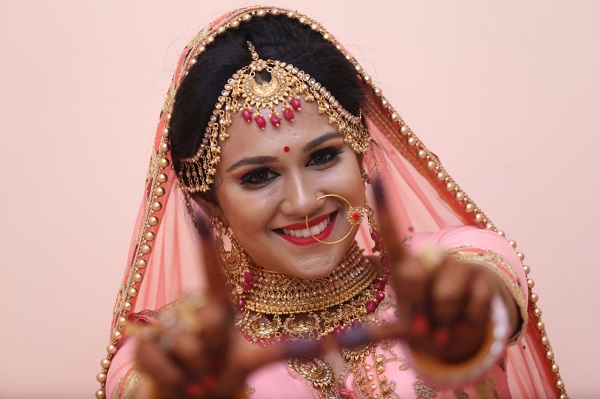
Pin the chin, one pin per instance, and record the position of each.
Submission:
(316, 268)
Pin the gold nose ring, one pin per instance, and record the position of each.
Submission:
(354, 216)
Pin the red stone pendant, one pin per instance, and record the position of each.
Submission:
(275, 120)
(260, 121)
(247, 115)
(296, 104)
(288, 114)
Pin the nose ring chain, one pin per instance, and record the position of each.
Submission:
(354, 216)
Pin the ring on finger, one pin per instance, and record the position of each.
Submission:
(431, 258)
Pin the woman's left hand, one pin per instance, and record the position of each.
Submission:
(444, 304)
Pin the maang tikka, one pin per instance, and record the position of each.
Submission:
(243, 93)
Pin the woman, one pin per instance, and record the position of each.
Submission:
(274, 134)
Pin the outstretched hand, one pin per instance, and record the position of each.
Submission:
(444, 304)
(195, 351)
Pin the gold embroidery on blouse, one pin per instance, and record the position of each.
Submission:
(460, 393)
(317, 373)
(127, 385)
(388, 345)
(424, 390)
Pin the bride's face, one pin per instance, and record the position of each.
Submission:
(269, 180)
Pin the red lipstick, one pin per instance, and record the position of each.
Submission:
(302, 241)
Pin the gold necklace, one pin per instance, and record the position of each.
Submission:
(285, 307)
(277, 293)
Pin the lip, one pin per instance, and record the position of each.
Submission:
(311, 223)
(302, 241)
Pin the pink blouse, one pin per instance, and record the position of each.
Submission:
(280, 379)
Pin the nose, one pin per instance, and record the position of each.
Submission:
(300, 197)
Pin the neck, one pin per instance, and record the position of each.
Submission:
(276, 293)
(278, 306)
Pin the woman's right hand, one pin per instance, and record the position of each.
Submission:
(195, 352)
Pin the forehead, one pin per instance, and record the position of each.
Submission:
(247, 139)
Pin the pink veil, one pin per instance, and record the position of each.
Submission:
(164, 259)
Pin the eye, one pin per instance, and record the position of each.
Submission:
(323, 156)
(258, 177)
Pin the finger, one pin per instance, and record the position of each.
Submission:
(389, 233)
(483, 289)
(468, 335)
(450, 290)
(216, 316)
(188, 350)
(155, 362)
(216, 283)
(412, 281)
(217, 329)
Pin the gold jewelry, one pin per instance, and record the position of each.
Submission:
(272, 308)
(277, 293)
(244, 94)
(354, 216)
(235, 261)
(368, 378)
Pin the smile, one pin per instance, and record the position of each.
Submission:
(313, 230)
(298, 234)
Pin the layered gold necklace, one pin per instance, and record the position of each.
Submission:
(274, 307)
(281, 306)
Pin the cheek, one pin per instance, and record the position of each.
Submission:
(348, 179)
(244, 210)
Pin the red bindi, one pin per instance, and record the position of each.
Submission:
(286, 149)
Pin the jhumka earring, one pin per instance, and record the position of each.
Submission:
(354, 216)
(235, 262)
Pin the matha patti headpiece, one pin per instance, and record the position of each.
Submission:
(243, 93)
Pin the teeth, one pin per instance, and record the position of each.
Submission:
(305, 233)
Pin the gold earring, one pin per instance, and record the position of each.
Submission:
(365, 176)
(235, 262)
(354, 216)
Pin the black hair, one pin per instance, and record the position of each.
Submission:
(274, 37)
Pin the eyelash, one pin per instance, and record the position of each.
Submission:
(330, 152)
(263, 176)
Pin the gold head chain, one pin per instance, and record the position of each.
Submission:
(244, 94)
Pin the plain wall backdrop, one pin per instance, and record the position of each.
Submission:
(505, 92)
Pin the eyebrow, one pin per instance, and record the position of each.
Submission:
(252, 161)
(258, 160)
(320, 140)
